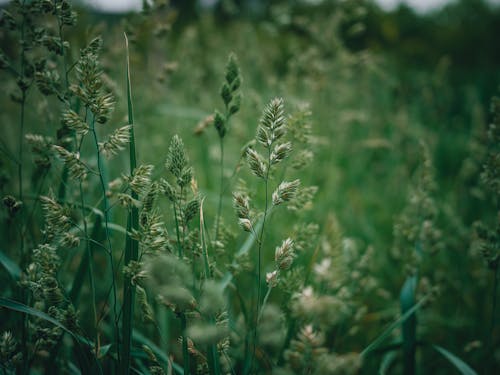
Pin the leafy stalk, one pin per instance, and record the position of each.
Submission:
(132, 245)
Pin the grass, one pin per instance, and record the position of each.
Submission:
(272, 236)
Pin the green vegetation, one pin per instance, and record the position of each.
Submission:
(302, 188)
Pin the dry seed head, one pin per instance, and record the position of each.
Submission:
(168, 189)
(127, 201)
(256, 164)
(203, 333)
(284, 255)
(263, 136)
(147, 313)
(73, 121)
(272, 278)
(69, 240)
(7, 346)
(273, 121)
(57, 217)
(116, 141)
(76, 168)
(245, 224)
(241, 203)
(281, 152)
(140, 179)
(203, 124)
(46, 259)
(285, 192)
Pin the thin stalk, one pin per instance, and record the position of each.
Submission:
(185, 351)
(23, 318)
(182, 316)
(221, 189)
(266, 297)
(90, 265)
(493, 311)
(177, 231)
(259, 257)
(106, 223)
(213, 360)
(261, 235)
(132, 245)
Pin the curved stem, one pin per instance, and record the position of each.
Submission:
(266, 297)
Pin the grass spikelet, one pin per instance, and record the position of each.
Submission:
(116, 142)
(140, 179)
(285, 192)
(284, 255)
(256, 163)
(76, 168)
(177, 160)
(73, 121)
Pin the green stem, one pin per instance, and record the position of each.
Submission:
(221, 188)
(132, 245)
(266, 297)
(106, 226)
(185, 351)
(177, 231)
(493, 311)
(24, 320)
(259, 258)
(90, 265)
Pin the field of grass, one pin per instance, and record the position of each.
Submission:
(282, 191)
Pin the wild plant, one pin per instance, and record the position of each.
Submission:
(134, 265)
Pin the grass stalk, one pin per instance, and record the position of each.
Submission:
(213, 357)
(132, 245)
(259, 259)
(221, 187)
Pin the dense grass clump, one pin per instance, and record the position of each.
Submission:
(227, 196)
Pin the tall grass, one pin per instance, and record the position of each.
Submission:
(344, 249)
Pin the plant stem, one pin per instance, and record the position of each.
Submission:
(219, 210)
(185, 351)
(266, 297)
(132, 245)
(259, 257)
(90, 265)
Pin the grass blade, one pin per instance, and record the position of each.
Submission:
(460, 365)
(379, 340)
(131, 246)
(158, 352)
(10, 266)
(83, 355)
(409, 327)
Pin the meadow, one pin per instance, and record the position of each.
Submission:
(302, 188)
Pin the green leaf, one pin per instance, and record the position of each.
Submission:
(409, 327)
(86, 367)
(11, 267)
(386, 363)
(157, 351)
(131, 244)
(379, 340)
(461, 366)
